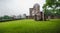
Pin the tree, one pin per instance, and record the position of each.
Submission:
(54, 5)
(6, 17)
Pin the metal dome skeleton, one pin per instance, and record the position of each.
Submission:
(36, 9)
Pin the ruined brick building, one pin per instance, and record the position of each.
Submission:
(35, 12)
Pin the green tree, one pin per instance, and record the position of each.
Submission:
(6, 17)
(53, 4)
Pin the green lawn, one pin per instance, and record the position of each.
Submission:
(30, 26)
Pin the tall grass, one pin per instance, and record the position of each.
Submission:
(30, 26)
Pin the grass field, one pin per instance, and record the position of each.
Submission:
(30, 26)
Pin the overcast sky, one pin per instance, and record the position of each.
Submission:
(16, 7)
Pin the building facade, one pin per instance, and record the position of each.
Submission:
(35, 12)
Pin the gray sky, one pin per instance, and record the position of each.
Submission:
(16, 7)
